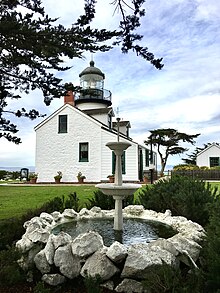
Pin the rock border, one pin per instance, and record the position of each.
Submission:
(86, 255)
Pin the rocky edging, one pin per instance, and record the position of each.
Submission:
(86, 255)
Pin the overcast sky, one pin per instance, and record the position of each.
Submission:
(184, 95)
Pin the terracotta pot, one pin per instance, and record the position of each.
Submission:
(33, 180)
(81, 180)
(111, 179)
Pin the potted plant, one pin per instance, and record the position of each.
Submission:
(58, 177)
(81, 177)
(33, 177)
(145, 178)
(111, 178)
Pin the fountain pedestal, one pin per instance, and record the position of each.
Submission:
(118, 219)
(118, 190)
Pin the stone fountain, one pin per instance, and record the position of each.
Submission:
(118, 189)
(86, 255)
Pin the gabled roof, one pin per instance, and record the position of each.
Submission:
(209, 147)
(82, 112)
(122, 123)
(73, 108)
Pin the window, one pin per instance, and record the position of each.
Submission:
(84, 152)
(147, 157)
(214, 161)
(122, 162)
(110, 121)
(127, 131)
(62, 127)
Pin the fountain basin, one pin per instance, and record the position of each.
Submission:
(134, 260)
(123, 190)
(118, 145)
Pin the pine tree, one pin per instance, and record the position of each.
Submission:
(32, 45)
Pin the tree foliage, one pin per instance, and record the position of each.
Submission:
(33, 48)
(167, 142)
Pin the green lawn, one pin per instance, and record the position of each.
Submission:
(16, 200)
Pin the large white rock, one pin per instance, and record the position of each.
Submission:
(47, 217)
(41, 262)
(134, 210)
(164, 244)
(142, 258)
(130, 286)
(99, 265)
(69, 264)
(50, 249)
(86, 244)
(117, 252)
(61, 239)
(70, 214)
(185, 246)
(53, 279)
(24, 244)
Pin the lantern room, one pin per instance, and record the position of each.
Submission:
(92, 87)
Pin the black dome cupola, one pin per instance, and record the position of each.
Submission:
(92, 87)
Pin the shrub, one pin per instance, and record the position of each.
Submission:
(185, 167)
(211, 251)
(72, 202)
(184, 196)
(101, 200)
(106, 202)
(165, 279)
(10, 272)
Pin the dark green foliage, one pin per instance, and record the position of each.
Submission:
(33, 39)
(10, 231)
(41, 288)
(166, 279)
(211, 252)
(106, 202)
(3, 174)
(101, 200)
(10, 272)
(72, 202)
(182, 195)
(92, 284)
(167, 141)
(55, 204)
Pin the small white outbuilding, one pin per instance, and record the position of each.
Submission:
(209, 157)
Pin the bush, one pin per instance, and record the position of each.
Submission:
(10, 272)
(165, 279)
(106, 202)
(211, 251)
(182, 195)
(72, 202)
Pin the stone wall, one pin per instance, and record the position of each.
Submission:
(86, 255)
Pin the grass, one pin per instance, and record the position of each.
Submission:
(17, 200)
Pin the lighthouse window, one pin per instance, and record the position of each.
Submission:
(62, 124)
(83, 151)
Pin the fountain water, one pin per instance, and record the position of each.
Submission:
(118, 190)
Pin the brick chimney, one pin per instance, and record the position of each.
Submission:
(69, 98)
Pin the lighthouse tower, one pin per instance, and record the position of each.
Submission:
(92, 95)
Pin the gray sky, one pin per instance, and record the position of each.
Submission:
(184, 95)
